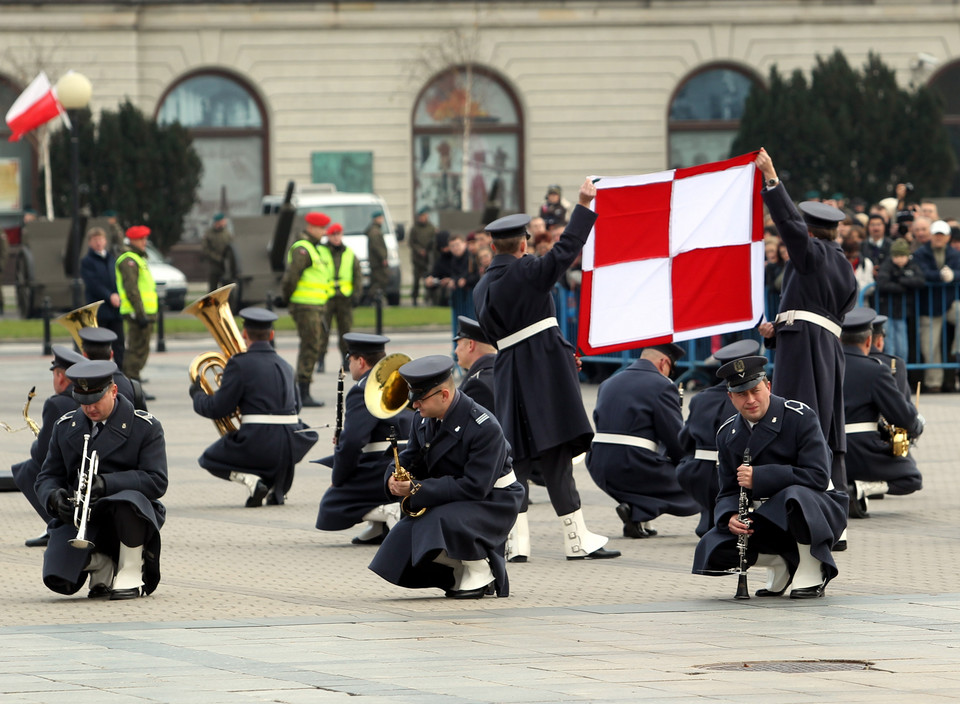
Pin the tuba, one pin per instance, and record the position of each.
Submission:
(214, 311)
(386, 392)
(385, 395)
(83, 317)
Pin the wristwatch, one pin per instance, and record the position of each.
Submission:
(771, 182)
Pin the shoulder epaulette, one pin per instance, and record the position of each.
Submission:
(796, 406)
(66, 416)
(144, 415)
(726, 423)
(480, 416)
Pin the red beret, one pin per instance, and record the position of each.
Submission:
(317, 219)
(138, 232)
(335, 229)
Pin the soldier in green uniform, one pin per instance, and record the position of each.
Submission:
(343, 272)
(423, 237)
(138, 301)
(216, 241)
(305, 289)
(377, 254)
(115, 233)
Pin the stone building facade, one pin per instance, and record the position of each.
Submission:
(373, 94)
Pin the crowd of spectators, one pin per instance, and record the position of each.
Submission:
(906, 258)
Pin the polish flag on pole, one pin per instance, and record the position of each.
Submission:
(36, 106)
(673, 256)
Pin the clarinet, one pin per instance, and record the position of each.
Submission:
(336, 433)
(743, 515)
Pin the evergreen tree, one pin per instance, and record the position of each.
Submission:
(146, 172)
(856, 132)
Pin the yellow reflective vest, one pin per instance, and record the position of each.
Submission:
(313, 287)
(145, 284)
(344, 277)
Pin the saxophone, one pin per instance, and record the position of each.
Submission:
(30, 423)
(897, 437)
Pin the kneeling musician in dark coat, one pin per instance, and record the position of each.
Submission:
(461, 497)
(709, 409)
(361, 455)
(872, 400)
(774, 452)
(106, 516)
(262, 453)
(635, 451)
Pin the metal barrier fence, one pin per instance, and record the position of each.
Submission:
(922, 328)
(906, 314)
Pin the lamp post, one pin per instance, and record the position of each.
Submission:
(73, 92)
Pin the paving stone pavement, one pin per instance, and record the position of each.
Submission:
(255, 605)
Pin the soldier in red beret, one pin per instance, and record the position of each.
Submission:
(305, 289)
(138, 301)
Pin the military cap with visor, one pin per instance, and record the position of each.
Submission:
(362, 343)
(743, 373)
(859, 320)
(257, 318)
(469, 329)
(65, 357)
(509, 226)
(91, 380)
(817, 214)
(425, 373)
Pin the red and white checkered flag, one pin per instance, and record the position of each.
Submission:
(673, 256)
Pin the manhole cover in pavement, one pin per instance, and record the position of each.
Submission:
(791, 665)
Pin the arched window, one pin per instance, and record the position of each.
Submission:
(228, 124)
(947, 82)
(18, 167)
(467, 105)
(705, 115)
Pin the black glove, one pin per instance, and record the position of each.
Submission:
(61, 506)
(279, 302)
(195, 388)
(142, 322)
(97, 489)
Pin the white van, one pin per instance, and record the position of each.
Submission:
(354, 211)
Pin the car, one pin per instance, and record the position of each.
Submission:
(353, 211)
(171, 282)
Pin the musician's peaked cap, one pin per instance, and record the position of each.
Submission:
(361, 343)
(859, 320)
(257, 318)
(880, 325)
(64, 357)
(735, 350)
(468, 328)
(817, 214)
(743, 373)
(508, 226)
(671, 349)
(97, 336)
(425, 373)
(91, 379)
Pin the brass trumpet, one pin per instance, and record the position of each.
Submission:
(30, 423)
(214, 311)
(83, 317)
(89, 466)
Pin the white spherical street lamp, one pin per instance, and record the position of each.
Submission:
(74, 91)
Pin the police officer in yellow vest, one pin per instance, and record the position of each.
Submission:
(138, 300)
(344, 270)
(306, 288)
